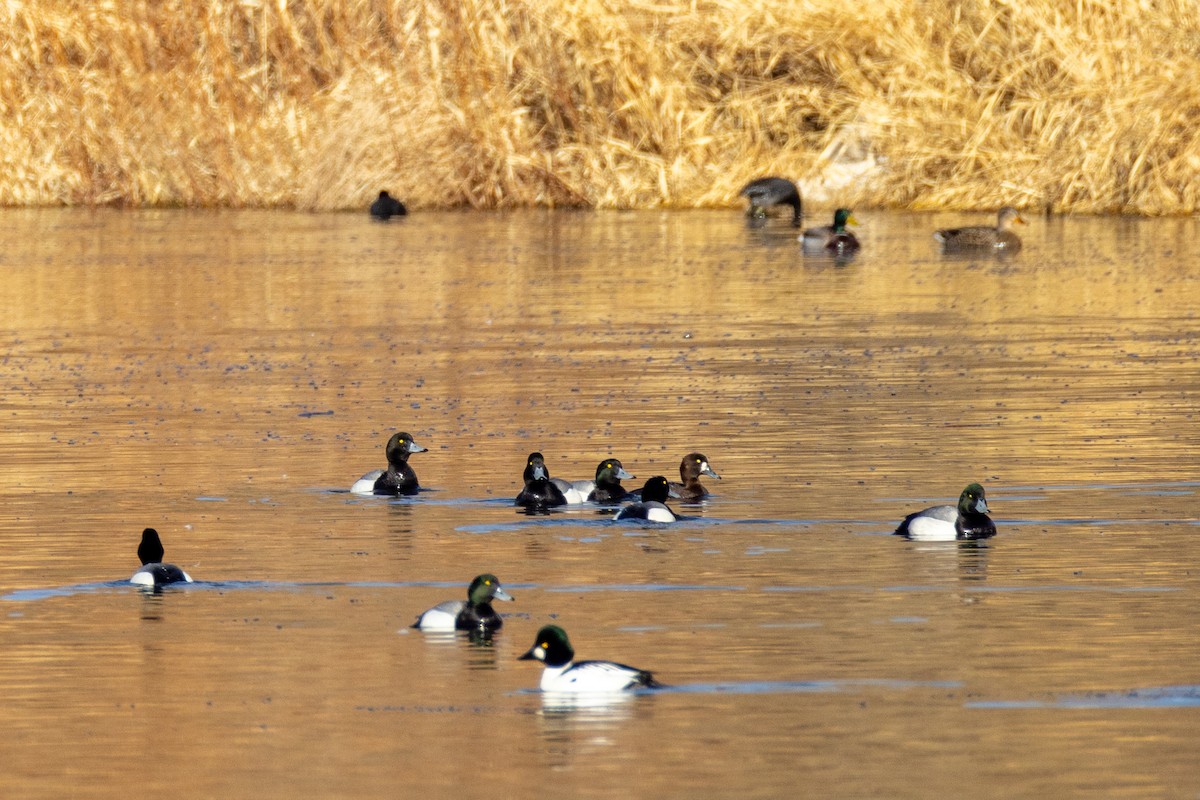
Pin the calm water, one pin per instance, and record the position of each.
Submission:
(225, 377)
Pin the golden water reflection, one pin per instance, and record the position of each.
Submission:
(225, 376)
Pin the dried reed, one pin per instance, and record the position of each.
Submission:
(1089, 106)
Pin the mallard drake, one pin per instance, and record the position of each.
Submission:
(834, 239)
(982, 236)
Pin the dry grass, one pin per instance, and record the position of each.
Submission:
(1090, 105)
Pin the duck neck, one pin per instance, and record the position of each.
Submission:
(797, 211)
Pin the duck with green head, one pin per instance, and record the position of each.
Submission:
(832, 239)
(564, 674)
(967, 520)
(474, 614)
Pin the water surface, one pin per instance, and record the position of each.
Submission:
(225, 376)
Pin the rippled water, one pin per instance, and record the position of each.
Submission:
(225, 376)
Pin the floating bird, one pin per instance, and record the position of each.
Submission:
(399, 478)
(473, 614)
(539, 493)
(832, 239)
(153, 571)
(968, 520)
(691, 468)
(608, 488)
(562, 674)
(653, 505)
(385, 207)
(982, 237)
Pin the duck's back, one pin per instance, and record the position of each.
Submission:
(159, 575)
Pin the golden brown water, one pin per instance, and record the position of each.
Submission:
(225, 376)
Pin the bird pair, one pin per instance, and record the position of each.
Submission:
(552, 647)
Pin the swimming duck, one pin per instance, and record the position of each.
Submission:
(399, 478)
(153, 571)
(608, 488)
(385, 207)
(765, 192)
(832, 239)
(968, 520)
(690, 469)
(653, 505)
(982, 236)
(562, 674)
(473, 614)
(540, 492)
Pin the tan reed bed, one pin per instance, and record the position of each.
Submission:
(1064, 105)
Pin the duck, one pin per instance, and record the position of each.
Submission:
(563, 674)
(399, 478)
(967, 520)
(983, 236)
(832, 239)
(153, 571)
(690, 469)
(653, 505)
(766, 192)
(608, 488)
(473, 614)
(540, 492)
(385, 207)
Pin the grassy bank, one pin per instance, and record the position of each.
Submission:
(1087, 106)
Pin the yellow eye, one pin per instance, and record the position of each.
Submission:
(487, 583)
(543, 645)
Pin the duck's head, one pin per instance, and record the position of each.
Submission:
(972, 501)
(400, 447)
(694, 465)
(486, 588)
(1007, 217)
(150, 551)
(610, 471)
(551, 647)
(535, 468)
(656, 490)
(843, 217)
